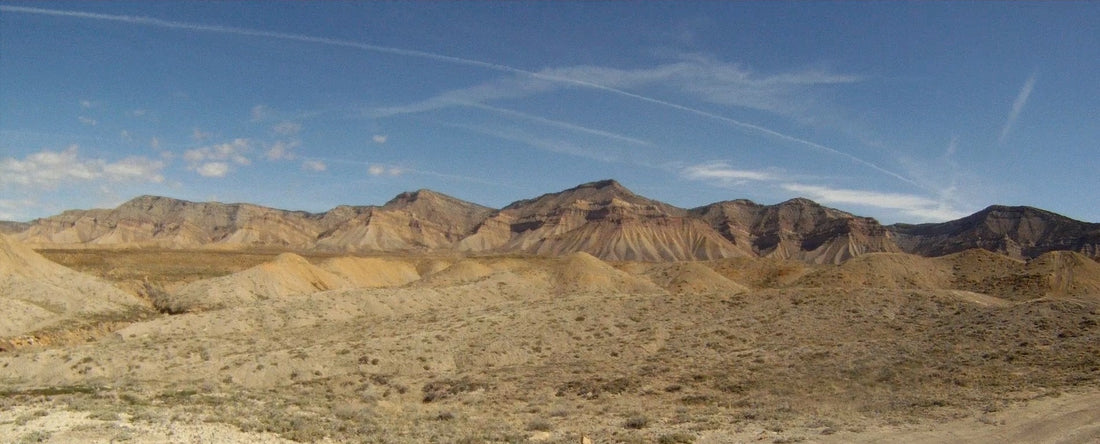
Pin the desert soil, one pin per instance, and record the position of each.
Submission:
(530, 349)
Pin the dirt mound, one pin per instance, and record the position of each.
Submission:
(684, 278)
(1067, 273)
(37, 294)
(466, 270)
(288, 275)
(986, 272)
(582, 272)
(882, 270)
(372, 272)
(762, 272)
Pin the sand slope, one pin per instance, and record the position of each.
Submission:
(37, 294)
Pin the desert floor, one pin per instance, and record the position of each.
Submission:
(515, 349)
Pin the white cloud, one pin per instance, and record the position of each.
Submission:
(139, 112)
(314, 165)
(125, 136)
(214, 160)
(48, 169)
(154, 143)
(85, 104)
(723, 173)
(1017, 107)
(135, 168)
(287, 128)
(87, 120)
(379, 138)
(913, 206)
(234, 151)
(381, 170)
(213, 169)
(282, 150)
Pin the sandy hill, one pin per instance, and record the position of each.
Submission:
(288, 276)
(604, 219)
(686, 278)
(368, 272)
(882, 270)
(1054, 274)
(583, 273)
(1067, 273)
(36, 294)
(1019, 232)
(796, 229)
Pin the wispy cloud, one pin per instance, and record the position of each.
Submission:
(200, 135)
(314, 165)
(282, 150)
(549, 145)
(379, 139)
(48, 169)
(586, 77)
(1017, 107)
(287, 128)
(385, 170)
(14, 209)
(87, 120)
(721, 172)
(913, 206)
(259, 113)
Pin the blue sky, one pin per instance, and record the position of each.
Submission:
(903, 111)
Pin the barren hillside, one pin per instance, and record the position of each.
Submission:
(603, 218)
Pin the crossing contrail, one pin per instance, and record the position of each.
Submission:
(169, 24)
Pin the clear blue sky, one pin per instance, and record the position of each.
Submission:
(904, 111)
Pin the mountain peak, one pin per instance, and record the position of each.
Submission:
(601, 184)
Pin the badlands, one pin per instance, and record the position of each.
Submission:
(589, 313)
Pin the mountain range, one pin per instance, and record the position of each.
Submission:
(601, 218)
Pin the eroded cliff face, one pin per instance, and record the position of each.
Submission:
(1019, 232)
(796, 229)
(604, 219)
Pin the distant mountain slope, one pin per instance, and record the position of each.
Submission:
(411, 221)
(796, 229)
(604, 219)
(9, 227)
(1019, 232)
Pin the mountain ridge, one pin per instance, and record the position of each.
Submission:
(602, 218)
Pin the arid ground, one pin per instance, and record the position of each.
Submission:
(266, 347)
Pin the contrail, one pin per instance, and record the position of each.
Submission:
(149, 21)
(557, 123)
